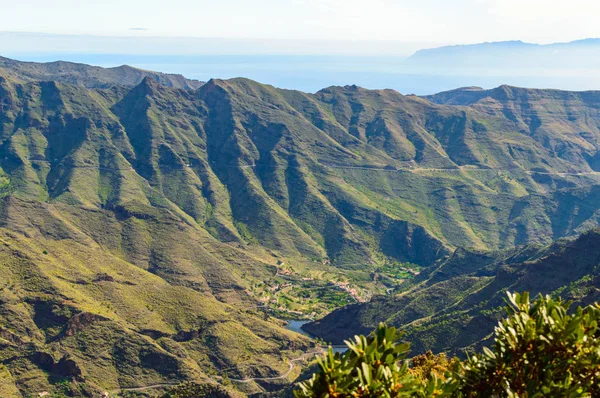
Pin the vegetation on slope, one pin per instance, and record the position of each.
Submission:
(106, 319)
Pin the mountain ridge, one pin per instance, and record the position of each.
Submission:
(470, 95)
(382, 140)
(89, 76)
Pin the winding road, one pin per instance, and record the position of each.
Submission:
(151, 387)
(355, 167)
(306, 355)
(302, 357)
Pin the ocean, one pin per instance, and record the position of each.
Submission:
(310, 73)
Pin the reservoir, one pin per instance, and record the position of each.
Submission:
(296, 326)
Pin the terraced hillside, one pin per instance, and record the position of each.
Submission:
(456, 304)
(168, 220)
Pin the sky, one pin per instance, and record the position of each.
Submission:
(307, 44)
(304, 23)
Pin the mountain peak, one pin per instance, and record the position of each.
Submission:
(148, 87)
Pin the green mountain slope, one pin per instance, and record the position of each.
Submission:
(456, 305)
(128, 300)
(170, 218)
(309, 175)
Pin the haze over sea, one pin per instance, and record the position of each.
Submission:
(311, 73)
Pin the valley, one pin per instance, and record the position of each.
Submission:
(454, 306)
(156, 230)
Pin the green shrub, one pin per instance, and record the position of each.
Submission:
(195, 390)
(370, 368)
(422, 366)
(540, 350)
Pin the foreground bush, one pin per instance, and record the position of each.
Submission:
(370, 368)
(540, 350)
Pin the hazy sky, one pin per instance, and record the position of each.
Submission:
(433, 21)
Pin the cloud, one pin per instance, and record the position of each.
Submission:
(138, 29)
